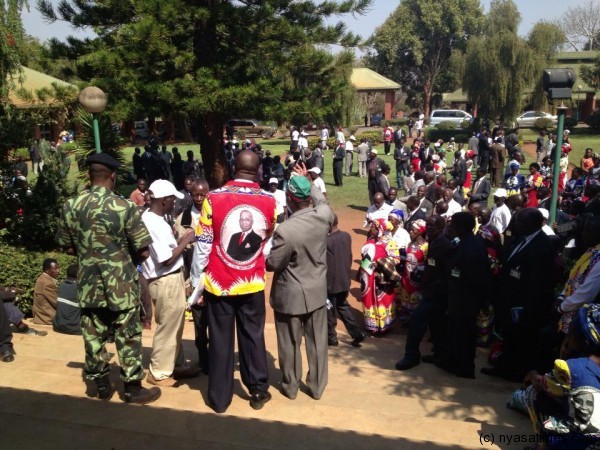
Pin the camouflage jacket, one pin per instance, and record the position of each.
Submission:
(104, 229)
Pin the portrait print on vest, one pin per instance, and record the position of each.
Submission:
(245, 244)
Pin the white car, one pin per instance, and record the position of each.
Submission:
(527, 119)
(457, 116)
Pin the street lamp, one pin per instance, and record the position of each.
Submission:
(93, 100)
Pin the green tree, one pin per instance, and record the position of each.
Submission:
(213, 60)
(499, 65)
(415, 44)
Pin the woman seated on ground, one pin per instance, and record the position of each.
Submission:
(379, 277)
(562, 403)
(574, 187)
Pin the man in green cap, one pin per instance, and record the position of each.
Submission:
(107, 234)
(299, 289)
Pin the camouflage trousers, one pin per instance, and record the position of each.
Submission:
(98, 324)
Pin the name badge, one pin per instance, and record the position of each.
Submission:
(515, 274)
(508, 233)
(455, 273)
(431, 262)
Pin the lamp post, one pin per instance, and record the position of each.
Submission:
(93, 100)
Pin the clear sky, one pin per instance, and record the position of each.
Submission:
(531, 12)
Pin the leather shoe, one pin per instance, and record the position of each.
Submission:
(165, 382)
(186, 372)
(333, 343)
(429, 359)
(357, 341)
(289, 394)
(406, 364)
(7, 355)
(259, 398)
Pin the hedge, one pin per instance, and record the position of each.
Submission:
(570, 122)
(21, 268)
(594, 120)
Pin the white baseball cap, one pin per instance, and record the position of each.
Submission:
(164, 188)
(315, 170)
(352, 138)
(273, 181)
(500, 193)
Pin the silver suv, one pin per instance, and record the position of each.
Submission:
(457, 116)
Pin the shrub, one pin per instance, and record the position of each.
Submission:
(433, 134)
(375, 137)
(397, 122)
(594, 120)
(21, 267)
(570, 122)
(543, 123)
(446, 125)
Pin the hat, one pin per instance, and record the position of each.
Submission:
(435, 158)
(470, 153)
(451, 139)
(545, 213)
(437, 145)
(105, 159)
(514, 165)
(299, 188)
(567, 132)
(500, 193)
(315, 170)
(374, 151)
(398, 214)
(273, 181)
(164, 188)
(352, 138)
(420, 225)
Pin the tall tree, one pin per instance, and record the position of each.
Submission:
(499, 64)
(11, 39)
(581, 25)
(214, 59)
(414, 45)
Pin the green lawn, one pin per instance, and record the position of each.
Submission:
(354, 193)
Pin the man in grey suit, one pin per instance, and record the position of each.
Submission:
(481, 189)
(299, 259)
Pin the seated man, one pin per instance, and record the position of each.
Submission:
(14, 315)
(45, 293)
(68, 313)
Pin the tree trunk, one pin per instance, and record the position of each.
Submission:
(210, 133)
(427, 92)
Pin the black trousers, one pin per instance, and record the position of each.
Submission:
(5, 331)
(200, 315)
(340, 304)
(337, 173)
(461, 340)
(246, 314)
(430, 312)
(387, 145)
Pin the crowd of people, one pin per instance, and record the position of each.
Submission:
(439, 255)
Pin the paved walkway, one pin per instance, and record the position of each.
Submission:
(367, 403)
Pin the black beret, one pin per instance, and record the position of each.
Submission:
(104, 159)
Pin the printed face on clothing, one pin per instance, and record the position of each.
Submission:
(246, 221)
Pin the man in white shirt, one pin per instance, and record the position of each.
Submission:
(324, 136)
(302, 143)
(453, 205)
(280, 201)
(500, 217)
(349, 147)
(378, 210)
(315, 176)
(163, 270)
(339, 136)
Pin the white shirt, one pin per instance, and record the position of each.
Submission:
(401, 237)
(339, 136)
(295, 135)
(324, 134)
(318, 182)
(500, 218)
(161, 249)
(373, 213)
(453, 208)
(280, 201)
(549, 231)
(303, 142)
(349, 146)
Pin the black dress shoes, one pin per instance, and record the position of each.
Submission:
(7, 355)
(259, 398)
(333, 343)
(406, 364)
(357, 341)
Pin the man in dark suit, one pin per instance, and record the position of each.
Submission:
(481, 189)
(526, 300)
(244, 245)
(414, 212)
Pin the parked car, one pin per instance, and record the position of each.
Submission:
(251, 128)
(527, 119)
(456, 116)
(141, 129)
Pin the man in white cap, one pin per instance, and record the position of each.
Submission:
(164, 272)
(349, 155)
(315, 176)
(500, 214)
(280, 201)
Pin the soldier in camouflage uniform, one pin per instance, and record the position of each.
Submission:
(107, 232)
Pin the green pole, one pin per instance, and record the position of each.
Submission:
(96, 132)
(557, 152)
